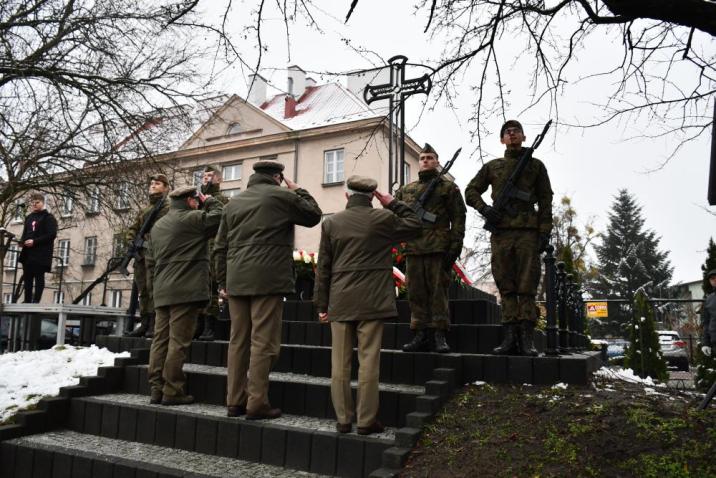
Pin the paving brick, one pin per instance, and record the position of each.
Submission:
(285, 356)
(416, 419)
(407, 437)
(102, 469)
(403, 311)
(313, 333)
(301, 360)
(206, 436)
(146, 420)
(131, 379)
(403, 368)
(519, 370)
(143, 381)
(127, 429)
(573, 369)
(495, 368)
(386, 367)
(61, 466)
(166, 429)
(7, 457)
(227, 438)
(406, 404)
(467, 338)
(196, 385)
(462, 311)
(250, 442)
(95, 385)
(294, 396)
(197, 352)
(489, 337)
(388, 410)
(298, 450)
(320, 363)
(350, 456)
(146, 474)
(76, 420)
(427, 404)
(111, 342)
(296, 332)
(373, 454)
(215, 389)
(123, 471)
(385, 473)
(74, 391)
(213, 354)
(394, 457)
(388, 341)
(316, 401)
(110, 420)
(448, 375)
(273, 445)
(472, 368)
(423, 365)
(24, 458)
(284, 332)
(439, 388)
(323, 453)
(289, 310)
(93, 418)
(32, 421)
(224, 354)
(185, 437)
(81, 467)
(305, 312)
(403, 335)
(42, 464)
(546, 370)
(113, 377)
(275, 394)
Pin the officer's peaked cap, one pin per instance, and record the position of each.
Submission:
(268, 167)
(361, 184)
(183, 192)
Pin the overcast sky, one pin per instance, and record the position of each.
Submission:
(590, 165)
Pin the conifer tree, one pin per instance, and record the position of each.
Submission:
(644, 355)
(706, 366)
(708, 265)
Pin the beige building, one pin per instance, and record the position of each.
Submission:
(321, 133)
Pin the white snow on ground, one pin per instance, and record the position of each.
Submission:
(26, 377)
(627, 375)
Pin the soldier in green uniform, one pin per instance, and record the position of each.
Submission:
(158, 187)
(430, 256)
(211, 185)
(178, 265)
(520, 237)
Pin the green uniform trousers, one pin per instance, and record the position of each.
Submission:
(173, 329)
(254, 345)
(144, 287)
(428, 280)
(516, 269)
(370, 335)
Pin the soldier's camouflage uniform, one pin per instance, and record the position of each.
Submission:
(212, 308)
(430, 256)
(141, 278)
(515, 255)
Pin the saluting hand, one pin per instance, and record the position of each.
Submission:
(290, 184)
(384, 199)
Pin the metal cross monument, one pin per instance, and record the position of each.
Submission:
(396, 91)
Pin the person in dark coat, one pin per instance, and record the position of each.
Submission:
(708, 317)
(37, 241)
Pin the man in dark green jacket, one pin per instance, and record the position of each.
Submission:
(519, 238)
(253, 256)
(430, 256)
(158, 187)
(178, 265)
(355, 292)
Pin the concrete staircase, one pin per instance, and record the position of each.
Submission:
(105, 427)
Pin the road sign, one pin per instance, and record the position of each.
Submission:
(597, 310)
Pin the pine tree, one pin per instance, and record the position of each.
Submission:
(629, 257)
(644, 355)
(706, 366)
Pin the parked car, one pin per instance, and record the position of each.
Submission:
(673, 349)
(616, 348)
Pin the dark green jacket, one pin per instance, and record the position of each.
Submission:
(142, 216)
(354, 277)
(534, 181)
(177, 254)
(253, 251)
(446, 202)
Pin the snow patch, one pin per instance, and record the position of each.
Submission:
(28, 376)
(561, 385)
(627, 375)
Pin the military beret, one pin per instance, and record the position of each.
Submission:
(268, 167)
(361, 184)
(212, 168)
(508, 124)
(183, 192)
(159, 177)
(711, 273)
(427, 149)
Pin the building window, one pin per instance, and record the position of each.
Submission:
(67, 205)
(11, 257)
(406, 173)
(19, 212)
(232, 173)
(63, 252)
(118, 248)
(87, 300)
(117, 298)
(7, 298)
(197, 177)
(230, 193)
(333, 166)
(93, 200)
(90, 251)
(122, 200)
(58, 297)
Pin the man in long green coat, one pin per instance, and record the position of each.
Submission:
(253, 256)
(158, 188)
(178, 263)
(429, 257)
(519, 239)
(355, 292)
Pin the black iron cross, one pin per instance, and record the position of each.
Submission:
(396, 91)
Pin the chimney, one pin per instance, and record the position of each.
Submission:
(296, 81)
(310, 83)
(257, 94)
(289, 108)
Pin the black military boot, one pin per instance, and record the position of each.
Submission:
(420, 342)
(142, 329)
(439, 343)
(200, 322)
(208, 334)
(510, 342)
(150, 327)
(527, 337)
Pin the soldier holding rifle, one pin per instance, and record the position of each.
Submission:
(431, 255)
(519, 232)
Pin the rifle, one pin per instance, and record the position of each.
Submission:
(510, 191)
(112, 264)
(138, 242)
(419, 205)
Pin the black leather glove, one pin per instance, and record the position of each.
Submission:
(544, 238)
(491, 214)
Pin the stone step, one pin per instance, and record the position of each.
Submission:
(295, 394)
(65, 453)
(205, 428)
